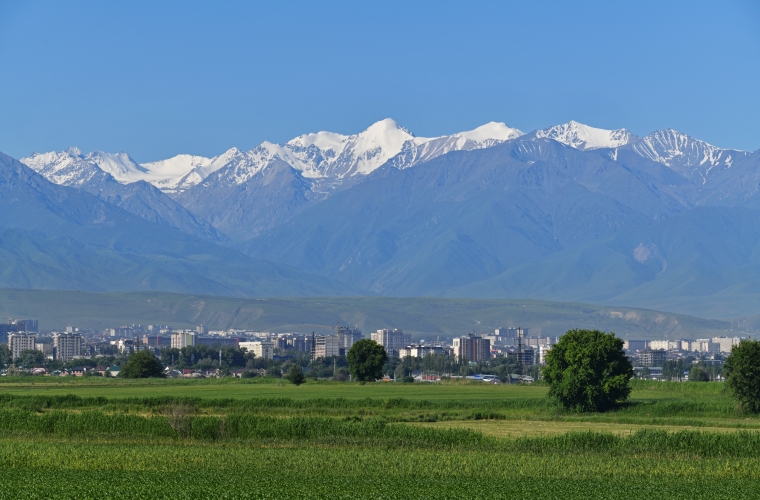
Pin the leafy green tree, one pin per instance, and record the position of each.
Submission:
(742, 367)
(295, 375)
(5, 355)
(29, 358)
(587, 370)
(366, 359)
(142, 364)
(698, 374)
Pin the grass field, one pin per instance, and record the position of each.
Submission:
(89, 438)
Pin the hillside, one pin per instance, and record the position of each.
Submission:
(423, 317)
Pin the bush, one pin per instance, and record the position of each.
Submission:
(295, 375)
(588, 371)
(742, 368)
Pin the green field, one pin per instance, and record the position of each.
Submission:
(90, 438)
(424, 317)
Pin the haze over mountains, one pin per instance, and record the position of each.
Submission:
(570, 212)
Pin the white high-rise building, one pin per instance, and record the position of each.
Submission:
(726, 343)
(327, 346)
(471, 348)
(183, 339)
(348, 336)
(263, 349)
(391, 340)
(67, 346)
(18, 342)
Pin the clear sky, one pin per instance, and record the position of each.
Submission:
(157, 79)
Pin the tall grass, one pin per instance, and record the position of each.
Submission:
(372, 431)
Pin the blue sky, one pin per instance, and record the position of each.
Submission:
(160, 78)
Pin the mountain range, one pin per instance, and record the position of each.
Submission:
(570, 212)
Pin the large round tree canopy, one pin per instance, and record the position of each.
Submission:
(587, 370)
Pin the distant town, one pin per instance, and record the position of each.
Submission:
(506, 355)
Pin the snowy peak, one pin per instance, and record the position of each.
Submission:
(490, 132)
(582, 137)
(692, 158)
(67, 168)
(120, 165)
(183, 171)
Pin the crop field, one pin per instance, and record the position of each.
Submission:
(220, 439)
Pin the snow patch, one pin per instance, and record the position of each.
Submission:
(580, 136)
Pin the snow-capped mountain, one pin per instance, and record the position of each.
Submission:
(580, 136)
(270, 184)
(72, 168)
(115, 178)
(694, 159)
(333, 158)
(327, 156)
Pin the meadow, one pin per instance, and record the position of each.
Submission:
(90, 438)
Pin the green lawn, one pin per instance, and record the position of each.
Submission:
(210, 388)
(264, 439)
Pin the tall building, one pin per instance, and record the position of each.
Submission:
(651, 357)
(348, 336)
(18, 342)
(726, 343)
(201, 330)
(25, 325)
(472, 348)
(5, 330)
(327, 346)
(66, 346)
(263, 349)
(391, 340)
(183, 339)
(420, 351)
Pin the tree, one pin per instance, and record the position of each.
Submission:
(588, 371)
(142, 364)
(295, 375)
(5, 355)
(29, 358)
(742, 367)
(366, 359)
(698, 374)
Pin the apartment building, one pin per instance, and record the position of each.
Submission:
(67, 346)
(391, 340)
(18, 342)
(472, 348)
(262, 349)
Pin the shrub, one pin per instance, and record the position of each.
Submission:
(295, 375)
